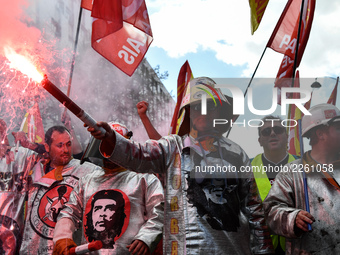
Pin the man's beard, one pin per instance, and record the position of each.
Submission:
(62, 161)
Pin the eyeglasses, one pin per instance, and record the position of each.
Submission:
(277, 130)
(210, 106)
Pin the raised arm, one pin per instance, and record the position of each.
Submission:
(142, 108)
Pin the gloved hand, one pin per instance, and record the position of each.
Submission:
(63, 246)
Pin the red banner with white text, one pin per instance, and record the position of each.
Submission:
(121, 31)
(284, 37)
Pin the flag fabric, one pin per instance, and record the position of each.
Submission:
(257, 9)
(86, 4)
(295, 114)
(32, 125)
(332, 98)
(308, 103)
(184, 76)
(121, 32)
(109, 12)
(284, 37)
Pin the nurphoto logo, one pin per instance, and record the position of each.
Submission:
(239, 103)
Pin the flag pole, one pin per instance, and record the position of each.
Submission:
(296, 56)
(305, 186)
(270, 40)
(251, 79)
(297, 42)
(73, 58)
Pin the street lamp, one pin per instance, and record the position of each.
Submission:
(316, 84)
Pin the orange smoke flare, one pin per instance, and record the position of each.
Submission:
(25, 66)
(22, 64)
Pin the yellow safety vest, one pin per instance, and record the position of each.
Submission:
(263, 185)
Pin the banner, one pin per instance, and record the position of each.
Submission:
(284, 37)
(184, 76)
(121, 31)
(332, 98)
(257, 9)
(295, 114)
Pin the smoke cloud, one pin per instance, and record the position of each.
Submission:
(46, 35)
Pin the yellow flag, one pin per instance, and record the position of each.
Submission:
(257, 8)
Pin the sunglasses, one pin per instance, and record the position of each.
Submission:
(277, 130)
(210, 106)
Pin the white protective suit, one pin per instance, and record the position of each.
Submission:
(46, 197)
(287, 197)
(14, 172)
(203, 215)
(137, 202)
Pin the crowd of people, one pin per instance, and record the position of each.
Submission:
(162, 197)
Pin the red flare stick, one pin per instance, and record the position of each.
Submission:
(81, 249)
(69, 104)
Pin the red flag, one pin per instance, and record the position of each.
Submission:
(284, 37)
(32, 125)
(296, 114)
(121, 32)
(307, 104)
(332, 98)
(184, 76)
(86, 4)
(257, 8)
(108, 19)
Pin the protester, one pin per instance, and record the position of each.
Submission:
(142, 108)
(192, 223)
(15, 164)
(285, 205)
(77, 149)
(273, 138)
(121, 208)
(50, 184)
